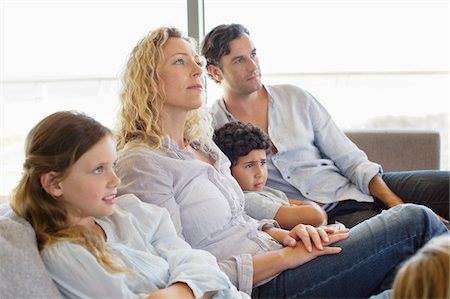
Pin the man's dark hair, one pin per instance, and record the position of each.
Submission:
(237, 139)
(217, 42)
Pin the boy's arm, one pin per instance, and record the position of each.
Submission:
(305, 212)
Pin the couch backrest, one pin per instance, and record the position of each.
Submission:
(22, 272)
(398, 150)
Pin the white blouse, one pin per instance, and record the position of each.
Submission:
(144, 239)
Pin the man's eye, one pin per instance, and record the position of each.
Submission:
(237, 61)
(99, 170)
(249, 165)
(263, 162)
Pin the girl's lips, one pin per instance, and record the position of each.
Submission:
(111, 199)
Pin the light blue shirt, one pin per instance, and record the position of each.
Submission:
(205, 202)
(315, 160)
(144, 238)
(264, 204)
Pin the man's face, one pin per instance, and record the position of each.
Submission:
(239, 71)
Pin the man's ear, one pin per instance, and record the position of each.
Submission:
(50, 184)
(216, 72)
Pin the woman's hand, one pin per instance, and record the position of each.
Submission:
(298, 254)
(309, 236)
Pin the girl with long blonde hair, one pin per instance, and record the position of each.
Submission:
(94, 244)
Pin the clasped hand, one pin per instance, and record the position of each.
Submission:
(305, 242)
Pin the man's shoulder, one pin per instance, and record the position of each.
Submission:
(288, 95)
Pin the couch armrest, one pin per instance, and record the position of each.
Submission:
(399, 150)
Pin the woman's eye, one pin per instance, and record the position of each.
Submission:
(179, 61)
(99, 170)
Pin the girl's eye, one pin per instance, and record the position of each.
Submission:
(99, 170)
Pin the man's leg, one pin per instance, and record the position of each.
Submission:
(351, 212)
(425, 187)
(368, 259)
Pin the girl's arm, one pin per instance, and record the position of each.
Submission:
(305, 212)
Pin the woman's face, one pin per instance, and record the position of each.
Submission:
(181, 73)
(89, 189)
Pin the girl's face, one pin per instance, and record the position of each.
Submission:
(181, 76)
(90, 186)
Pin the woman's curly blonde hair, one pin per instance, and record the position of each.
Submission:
(141, 98)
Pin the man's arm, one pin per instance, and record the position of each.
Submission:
(381, 191)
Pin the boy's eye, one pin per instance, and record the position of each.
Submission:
(99, 170)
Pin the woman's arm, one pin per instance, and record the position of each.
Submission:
(270, 263)
(305, 212)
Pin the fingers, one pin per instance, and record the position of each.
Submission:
(337, 237)
(330, 250)
(310, 235)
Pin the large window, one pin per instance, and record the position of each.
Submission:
(371, 63)
(67, 55)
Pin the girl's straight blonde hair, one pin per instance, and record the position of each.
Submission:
(426, 273)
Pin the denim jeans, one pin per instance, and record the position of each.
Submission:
(368, 260)
(424, 187)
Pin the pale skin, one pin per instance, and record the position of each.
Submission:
(247, 100)
(180, 70)
(250, 171)
(89, 190)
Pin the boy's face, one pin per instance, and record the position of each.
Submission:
(250, 171)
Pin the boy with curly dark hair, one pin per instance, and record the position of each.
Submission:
(246, 146)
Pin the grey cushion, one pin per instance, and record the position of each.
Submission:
(22, 272)
(400, 149)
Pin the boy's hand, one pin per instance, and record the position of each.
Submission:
(309, 235)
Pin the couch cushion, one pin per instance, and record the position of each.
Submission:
(22, 272)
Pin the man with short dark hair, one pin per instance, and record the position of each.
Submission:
(311, 158)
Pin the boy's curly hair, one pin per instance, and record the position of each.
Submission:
(237, 139)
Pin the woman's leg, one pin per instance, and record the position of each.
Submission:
(425, 187)
(369, 256)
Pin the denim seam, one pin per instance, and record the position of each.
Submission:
(354, 265)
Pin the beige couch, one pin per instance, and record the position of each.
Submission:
(23, 275)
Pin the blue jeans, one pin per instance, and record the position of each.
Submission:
(424, 187)
(368, 261)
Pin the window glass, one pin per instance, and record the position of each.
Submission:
(372, 64)
(67, 55)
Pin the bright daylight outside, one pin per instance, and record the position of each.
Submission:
(372, 64)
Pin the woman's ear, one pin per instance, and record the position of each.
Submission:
(50, 184)
(215, 71)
